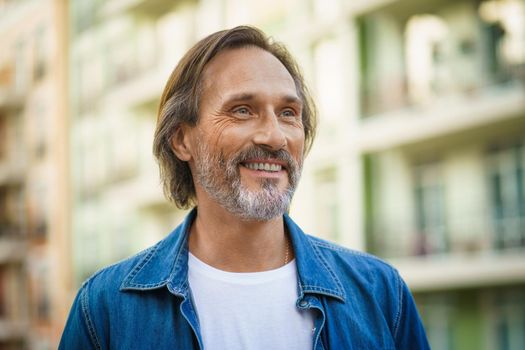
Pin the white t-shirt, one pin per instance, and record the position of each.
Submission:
(254, 310)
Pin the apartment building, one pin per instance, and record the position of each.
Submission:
(441, 138)
(420, 151)
(34, 265)
(121, 54)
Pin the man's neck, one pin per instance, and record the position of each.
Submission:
(229, 243)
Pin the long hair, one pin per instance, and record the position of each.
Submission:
(180, 100)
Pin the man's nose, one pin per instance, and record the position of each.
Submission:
(269, 133)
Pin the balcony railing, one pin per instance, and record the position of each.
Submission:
(476, 235)
(430, 57)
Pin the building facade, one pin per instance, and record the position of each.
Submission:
(34, 260)
(441, 140)
(419, 156)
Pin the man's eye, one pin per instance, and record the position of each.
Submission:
(242, 110)
(288, 113)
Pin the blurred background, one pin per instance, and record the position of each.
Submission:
(419, 158)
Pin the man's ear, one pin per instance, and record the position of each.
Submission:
(180, 143)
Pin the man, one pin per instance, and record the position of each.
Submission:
(234, 123)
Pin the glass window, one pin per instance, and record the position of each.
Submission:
(509, 320)
(3, 139)
(437, 316)
(20, 66)
(504, 25)
(329, 81)
(507, 196)
(429, 209)
(39, 67)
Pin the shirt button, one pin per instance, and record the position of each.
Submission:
(303, 303)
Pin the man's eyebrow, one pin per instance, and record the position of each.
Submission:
(292, 99)
(240, 97)
(250, 97)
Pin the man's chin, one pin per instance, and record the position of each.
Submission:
(256, 186)
(260, 215)
(257, 205)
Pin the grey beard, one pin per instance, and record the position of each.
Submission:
(265, 204)
(223, 184)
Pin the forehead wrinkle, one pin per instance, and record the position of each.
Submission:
(216, 69)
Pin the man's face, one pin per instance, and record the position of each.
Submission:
(248, 144)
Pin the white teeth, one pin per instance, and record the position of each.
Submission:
(263, 166)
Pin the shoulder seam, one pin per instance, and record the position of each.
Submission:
(106, 268)
(338, 248)
(397, 318)
(84, 300)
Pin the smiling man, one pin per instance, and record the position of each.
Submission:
(235, 122)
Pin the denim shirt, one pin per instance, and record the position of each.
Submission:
(145, 302)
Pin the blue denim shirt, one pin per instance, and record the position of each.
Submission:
(145, 302)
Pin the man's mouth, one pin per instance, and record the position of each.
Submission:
(262, 166)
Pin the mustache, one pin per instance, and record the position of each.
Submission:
(258, 152)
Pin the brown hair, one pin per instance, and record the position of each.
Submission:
(180, 100)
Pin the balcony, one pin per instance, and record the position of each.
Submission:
(142, 88)
(477, 252)
(457, 114)
(10, 102)
(11, 173)
(479, 235)
(11, 98)
(13, 332)
(437, 67)
(128, 74)
(458, 271)
(11, 250)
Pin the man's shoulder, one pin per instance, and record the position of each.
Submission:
(111, 277)
(352, 262)
(352, 255)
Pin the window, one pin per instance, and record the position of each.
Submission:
(429, 209)
(12, 211)
(506, 196)
(437, 316)
(504, 27)
(41, 129)
(329, 78)
(40, 66)
(20, 66)
(508, 324)
(3, 139)
(383, 78)
(39, 288)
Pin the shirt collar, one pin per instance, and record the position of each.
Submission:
(166, 264)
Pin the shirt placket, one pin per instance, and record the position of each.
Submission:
(312, 303)
(188, 312)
